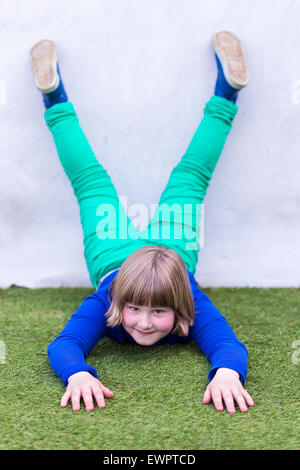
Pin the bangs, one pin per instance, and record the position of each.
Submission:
(150, 289)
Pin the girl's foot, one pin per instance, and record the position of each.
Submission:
(46, 72)
(232, 71)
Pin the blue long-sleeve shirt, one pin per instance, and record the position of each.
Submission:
(87, 326)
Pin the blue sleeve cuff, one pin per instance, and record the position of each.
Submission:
(77, 368)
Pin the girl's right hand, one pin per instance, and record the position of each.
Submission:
(83, 384)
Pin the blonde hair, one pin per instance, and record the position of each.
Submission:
(154, 276)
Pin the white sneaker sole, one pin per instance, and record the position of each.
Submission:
(44, 65)
(230, 53)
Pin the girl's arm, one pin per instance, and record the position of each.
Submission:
(216, 338)
(227, 355)
(85, 328)
(68, 351)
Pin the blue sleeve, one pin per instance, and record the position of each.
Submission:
(84, 329)
(216, 339)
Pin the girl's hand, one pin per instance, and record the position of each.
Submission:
(83, 384)
(226, 385)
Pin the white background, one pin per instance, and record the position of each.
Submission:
(139, 73)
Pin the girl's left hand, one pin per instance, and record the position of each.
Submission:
(226, 386)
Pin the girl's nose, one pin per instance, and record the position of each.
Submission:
(145, 322)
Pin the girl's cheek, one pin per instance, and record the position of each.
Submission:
(167, 324)
(170, 320)
(127, 319)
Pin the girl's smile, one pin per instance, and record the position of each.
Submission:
(147, 325)
(144, 333)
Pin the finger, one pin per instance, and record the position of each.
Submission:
(247, 397)
(75, 398)
(207, 396)
(240, 400)
(88, 399)
(228, 399)
(106, 392)
(97, 392)
(217, 400)
(65, 398)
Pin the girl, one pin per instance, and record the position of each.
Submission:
(146, 292)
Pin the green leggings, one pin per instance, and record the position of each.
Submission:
(109, 234)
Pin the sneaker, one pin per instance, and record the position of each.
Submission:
(46, 73)
(232, 71)
(44, 65)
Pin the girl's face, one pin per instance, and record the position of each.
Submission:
(147, 325)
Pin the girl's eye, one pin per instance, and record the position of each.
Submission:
(134, 309)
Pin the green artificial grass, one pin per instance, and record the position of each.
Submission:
(158, 391)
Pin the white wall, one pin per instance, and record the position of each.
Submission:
(139, 73)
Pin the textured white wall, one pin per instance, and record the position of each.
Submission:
(139, 73)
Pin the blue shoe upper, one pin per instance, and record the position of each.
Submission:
(59, 95)
(222, 87)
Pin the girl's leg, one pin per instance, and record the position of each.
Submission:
(109, 235)
(104, 222)
(176, 221)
